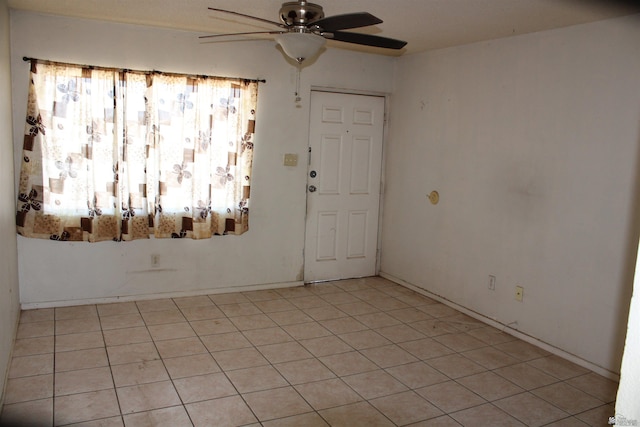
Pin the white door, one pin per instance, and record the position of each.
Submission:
(343, 186)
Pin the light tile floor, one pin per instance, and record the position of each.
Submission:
(363, 352)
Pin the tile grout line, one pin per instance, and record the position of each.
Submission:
(184, 407)
(338, 377)
(217, 364)
(113, 381)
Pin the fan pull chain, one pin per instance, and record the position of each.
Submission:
(298, 71)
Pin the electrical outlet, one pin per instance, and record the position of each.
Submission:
(492, 283)
(519, 293)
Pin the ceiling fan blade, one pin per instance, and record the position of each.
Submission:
(239, 34)
(346, 21)
(266, 21)
(365, 39)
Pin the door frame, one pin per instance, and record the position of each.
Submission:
(385, 132)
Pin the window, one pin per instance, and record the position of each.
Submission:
(123, 155)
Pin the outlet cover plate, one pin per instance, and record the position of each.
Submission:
(519, 293)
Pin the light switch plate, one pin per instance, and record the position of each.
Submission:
(291, 159)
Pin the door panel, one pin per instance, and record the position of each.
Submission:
(345, 141)
(327, 226)
(357, 234)
(361, 165)
(330, 161)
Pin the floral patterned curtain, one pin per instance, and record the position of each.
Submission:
(123, 155)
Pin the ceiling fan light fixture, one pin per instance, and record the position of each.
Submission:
(300, 45)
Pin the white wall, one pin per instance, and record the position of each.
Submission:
(533, 144)
(627, 402)
(9, 306)
(271, 252)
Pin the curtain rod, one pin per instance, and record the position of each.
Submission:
(94, 67)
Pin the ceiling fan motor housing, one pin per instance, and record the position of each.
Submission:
(300, 13)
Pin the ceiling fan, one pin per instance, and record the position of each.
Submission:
(304, 29)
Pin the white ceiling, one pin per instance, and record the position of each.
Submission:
(425, 24)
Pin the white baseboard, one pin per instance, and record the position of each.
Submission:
(507, 329)
(145, 297)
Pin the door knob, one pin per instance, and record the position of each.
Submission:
(312, 188)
